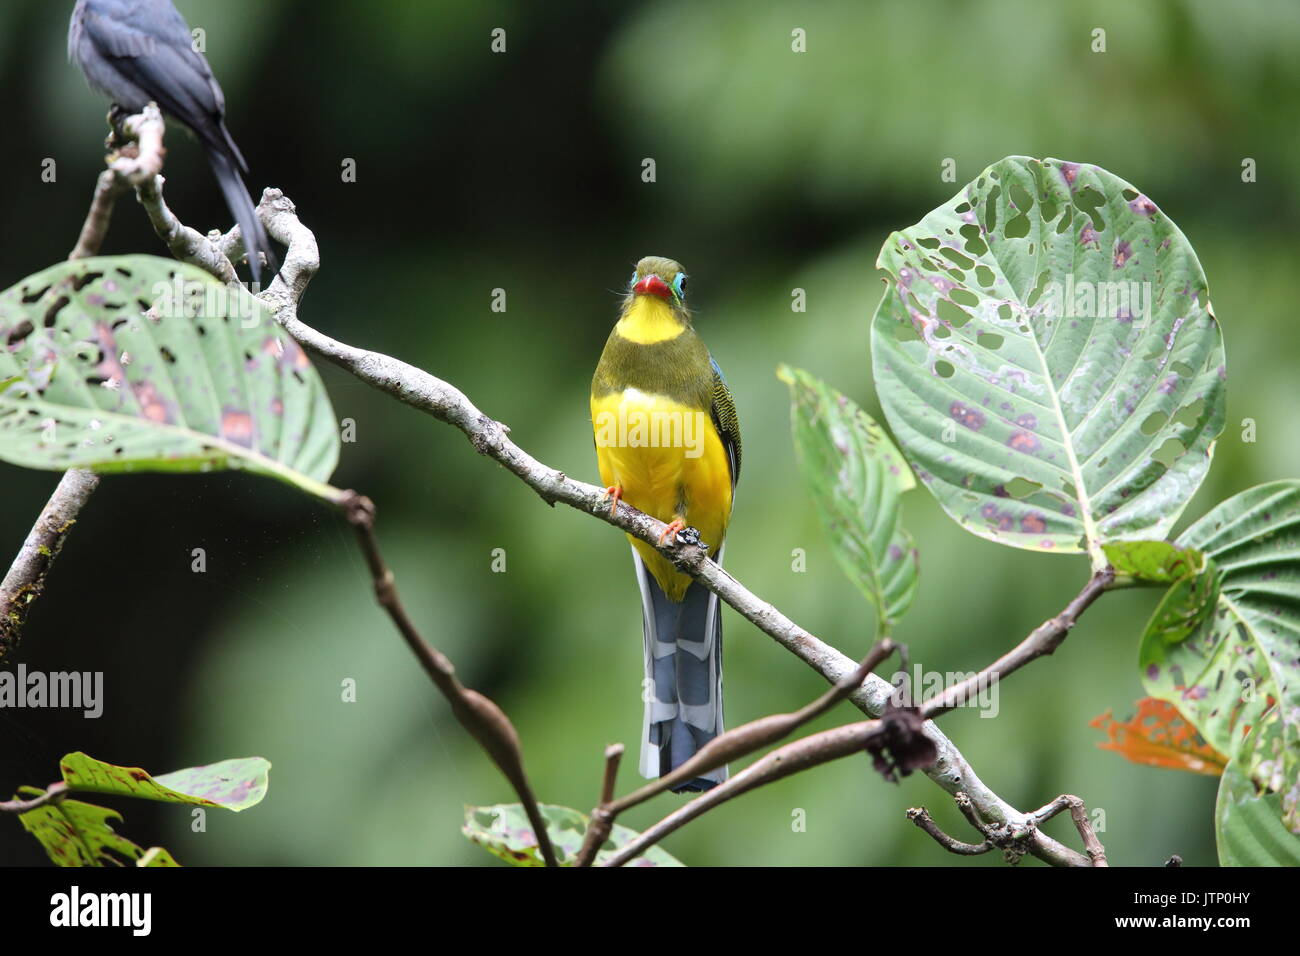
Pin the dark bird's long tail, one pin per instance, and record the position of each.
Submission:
(683, 669)
(226, 163)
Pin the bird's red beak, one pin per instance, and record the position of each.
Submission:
(653, 285)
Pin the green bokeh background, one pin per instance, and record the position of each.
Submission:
(775, 170)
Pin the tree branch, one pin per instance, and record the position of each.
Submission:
(810, 751)
(730, 745)
(184, 243)
(53, 793)
(613, 755)
(107, 188)
(1014, 842)
(921, 817)
(1078, 813)
(478, 714)
(25, 580)
(1041, 641)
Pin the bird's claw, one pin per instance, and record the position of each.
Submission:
(690, 536)
(681, 533)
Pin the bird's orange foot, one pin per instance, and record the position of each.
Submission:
(615, 493)
(676, 525)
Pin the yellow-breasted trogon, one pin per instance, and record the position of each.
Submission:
(668, 443)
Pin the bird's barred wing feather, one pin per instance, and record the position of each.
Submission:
(726, 420)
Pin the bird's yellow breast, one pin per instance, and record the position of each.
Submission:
(670, 463)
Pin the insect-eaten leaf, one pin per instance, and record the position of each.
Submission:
(856, 478)
(235, 784)
(1046, 354)
(1224, 646)
(504, 831)
(137, 363)
(1159, 736)
(74, 833)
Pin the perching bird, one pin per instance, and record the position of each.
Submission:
(668, 444)
(141, 51)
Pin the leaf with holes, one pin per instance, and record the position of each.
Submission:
(855, 476)
(1224, 646)
(504, 831)
(75, 833)
(1046, 355)
(1159, 736)
(137, 363)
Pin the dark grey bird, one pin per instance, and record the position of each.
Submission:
(141, 51)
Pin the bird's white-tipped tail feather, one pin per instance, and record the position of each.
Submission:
(683, 677)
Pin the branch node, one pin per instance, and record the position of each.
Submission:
(358, 510)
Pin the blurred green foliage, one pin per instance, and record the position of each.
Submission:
(775, 171)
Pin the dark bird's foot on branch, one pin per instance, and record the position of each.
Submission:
(681, 533)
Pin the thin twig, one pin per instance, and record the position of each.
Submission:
(921, 817)
(732, 745)
(479, 715)
(53, 793)
(1079, 814)
(184, 243)
(1043, 640)
(802, 754)
(1016, 840)
(613, 755)
(107, 188)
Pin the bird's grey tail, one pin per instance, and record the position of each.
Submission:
(683, 686)
(225, 166)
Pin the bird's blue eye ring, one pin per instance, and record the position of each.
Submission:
(679, 284)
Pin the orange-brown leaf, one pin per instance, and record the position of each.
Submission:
(1158, 736)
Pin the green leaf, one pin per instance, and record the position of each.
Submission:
(1224, 646)
(1248, 826)
(74, 833)
(1046, 355)
(1153, 562)
(235, 784)
(137, 363)
(504, 831)
(156, 856)
(855, 476)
